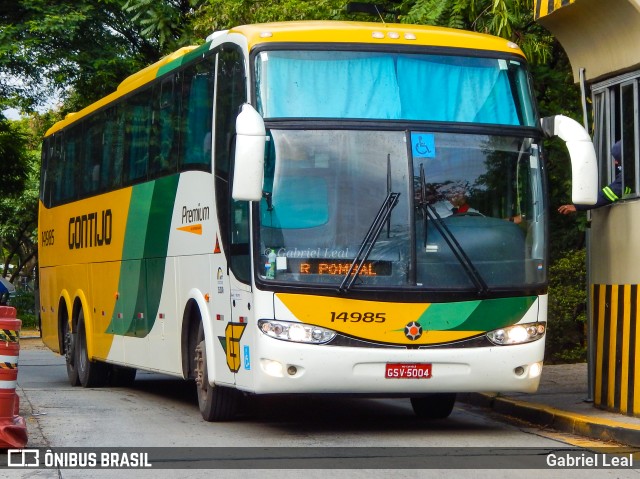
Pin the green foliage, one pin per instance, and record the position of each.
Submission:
(223, 14)
(168, 23)
(14, 167)
(24, 302)
(566, 333)
(510, 19)
(83, 47)
(18, 212)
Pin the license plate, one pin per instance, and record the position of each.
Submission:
(407, 371)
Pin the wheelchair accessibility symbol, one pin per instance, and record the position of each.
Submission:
(423, 145)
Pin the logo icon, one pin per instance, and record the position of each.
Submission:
(23, 458)
(413, 330)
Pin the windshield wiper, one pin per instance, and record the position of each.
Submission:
(369, 241)
(462, 257)
(456, 248)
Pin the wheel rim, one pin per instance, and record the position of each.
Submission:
(82, 356)
(201, 372)
(69, 347)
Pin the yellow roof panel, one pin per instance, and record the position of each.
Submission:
(364, 32)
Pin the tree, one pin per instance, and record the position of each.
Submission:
(169, 23)
(223, 14)
(19, 202)
(79, 49)
(14, 164)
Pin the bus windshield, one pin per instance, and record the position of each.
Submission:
(393, 86)
(468, 211)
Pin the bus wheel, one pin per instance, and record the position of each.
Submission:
(433, 406)
(216, 403)
(90, 373)
(70, 353)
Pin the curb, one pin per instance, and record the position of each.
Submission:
(547, 416)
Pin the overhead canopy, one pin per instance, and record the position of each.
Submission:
(603, 37)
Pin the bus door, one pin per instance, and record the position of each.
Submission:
(232, 307)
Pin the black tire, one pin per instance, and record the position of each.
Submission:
(69, 354)
(434, 406)
(216, 403)
(90, 373)
(122, 376)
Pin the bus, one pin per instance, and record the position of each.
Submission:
(263, 214)
(607, 67)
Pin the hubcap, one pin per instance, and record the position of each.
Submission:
(200, 365)
(68, 347)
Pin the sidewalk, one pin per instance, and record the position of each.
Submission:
(560, 404)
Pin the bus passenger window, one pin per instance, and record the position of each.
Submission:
(197, 113)
(139, 119)
(164, 134)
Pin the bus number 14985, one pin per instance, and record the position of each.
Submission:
(354, 317)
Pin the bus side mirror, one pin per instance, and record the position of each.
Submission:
(584, 166)
(248, 172)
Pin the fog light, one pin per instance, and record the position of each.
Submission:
(535, 370)
(272, 368)
(292, 370)
(519, 371)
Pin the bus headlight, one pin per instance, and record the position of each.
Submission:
(296, 332)
(517, 334)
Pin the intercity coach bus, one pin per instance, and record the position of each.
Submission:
(307, 208)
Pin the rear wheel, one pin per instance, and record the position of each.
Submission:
(90, 373)
(216, 403)
(433, 406)
(69, 353)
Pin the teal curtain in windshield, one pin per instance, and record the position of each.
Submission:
(475, 91)
(377, 86)
(344, 88)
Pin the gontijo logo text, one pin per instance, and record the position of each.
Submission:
(91, 229)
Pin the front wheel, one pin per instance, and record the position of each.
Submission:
(433, 406)
(216, 403)
(90, 373)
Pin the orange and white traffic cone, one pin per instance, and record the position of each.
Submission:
(13, 429)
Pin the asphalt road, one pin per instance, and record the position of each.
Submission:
(161, 412)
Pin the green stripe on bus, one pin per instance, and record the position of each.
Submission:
(157, 242)
(447, 316)
(144, 253)
(484, 315)
(197, 52)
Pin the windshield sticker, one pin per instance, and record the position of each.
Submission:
(423, 145)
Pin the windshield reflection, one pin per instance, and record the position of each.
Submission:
(469, 213)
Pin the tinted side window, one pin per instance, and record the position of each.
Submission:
(138, 124)
(71, 173)
(233, 218)
(198, 85)
(165, 134)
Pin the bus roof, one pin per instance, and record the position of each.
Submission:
(308, 32)
(371, 33)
